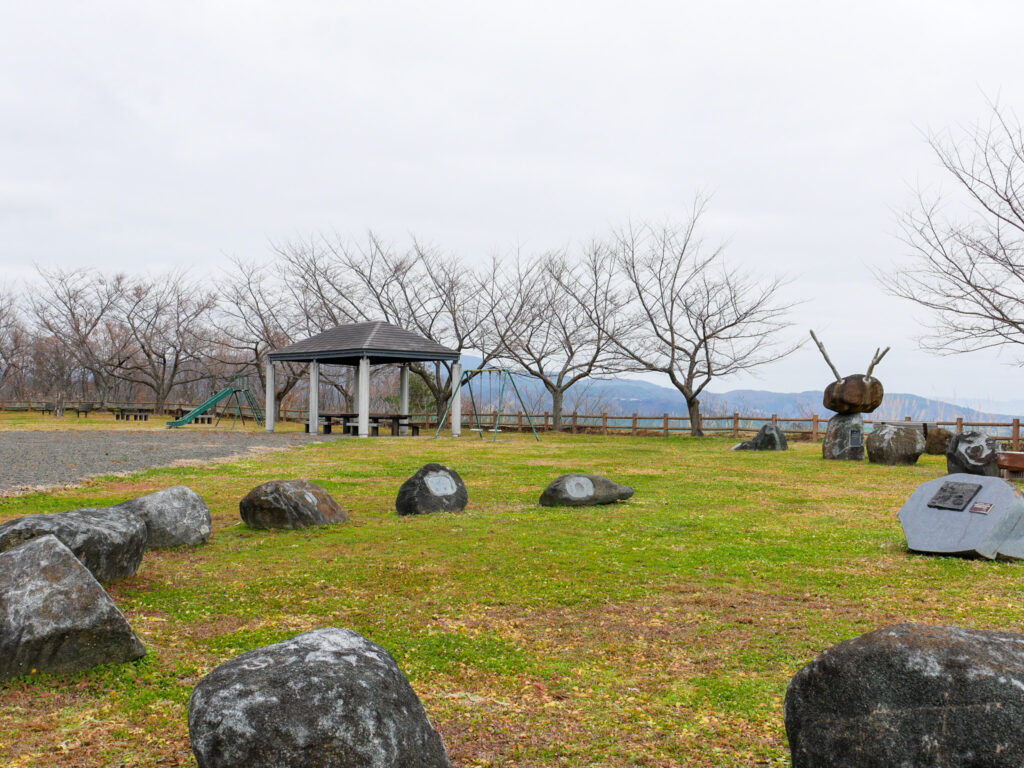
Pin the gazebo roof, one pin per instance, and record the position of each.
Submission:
(379, 341)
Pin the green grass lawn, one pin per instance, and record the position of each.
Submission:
(657, 632)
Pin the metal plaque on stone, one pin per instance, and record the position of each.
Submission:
(856, 438)
(955, 496)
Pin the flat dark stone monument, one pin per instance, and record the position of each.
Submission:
(966, 515)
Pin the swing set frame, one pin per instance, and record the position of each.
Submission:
(506, 377)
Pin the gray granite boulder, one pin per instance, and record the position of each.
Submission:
(329, 697)
(966, 515)
(55, 616)
(936, 442)
(290, 504)
(434, 488)
(174, 517)
(973, 453)
(895, 444)
(583, 491)
(768, 438)
(110, 541)
(844, 438)
(910, 695)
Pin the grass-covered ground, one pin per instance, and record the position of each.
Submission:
(658, 632)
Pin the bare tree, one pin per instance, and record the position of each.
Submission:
(167, 321)
(548, 334)
(13, 337)
(257, 315)
(78, 308)
(967, 249)
(686, 313)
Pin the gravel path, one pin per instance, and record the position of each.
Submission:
(32, 460)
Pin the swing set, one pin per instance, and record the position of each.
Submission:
(505, 377)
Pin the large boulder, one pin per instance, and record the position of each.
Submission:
(972, 453)
(854, 394)
(768, 438)
(329, 697)
(936, 442)
(55, 616)
(174, 517)
(290, 504)
(583, 491)
(434, 488)
(844, 438)
(966, 515)
(895, 444)
(110, 541)
(911, 695)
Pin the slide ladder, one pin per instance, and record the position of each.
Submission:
(239, 389)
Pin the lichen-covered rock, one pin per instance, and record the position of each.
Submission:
(110, 541)
(844, 438)
(583, 491)
(769, 438)
(973, 453)
(434, 488)
(329, 697)
(911, 695)
(174, 517)
(937, 441)
(895, 444)
(854, 394)
(55, 616)
(290, 504)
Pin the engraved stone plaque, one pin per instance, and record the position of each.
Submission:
(953, 495)
(856, 438)
(440, 483)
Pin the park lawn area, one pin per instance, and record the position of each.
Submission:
(657, 632)
(102, 420)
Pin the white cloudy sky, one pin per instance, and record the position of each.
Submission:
(148, 136)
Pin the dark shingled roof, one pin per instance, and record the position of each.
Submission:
(381, 342)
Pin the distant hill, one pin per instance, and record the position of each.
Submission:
(622, 396)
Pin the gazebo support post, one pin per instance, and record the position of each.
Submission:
(456, 381)
(403, 399)
(364, 397)
(271, 411)
(314, 398)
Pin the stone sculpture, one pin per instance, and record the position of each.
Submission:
(434, 488)
(583, 491)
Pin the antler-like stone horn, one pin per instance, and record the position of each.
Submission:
(824, 354)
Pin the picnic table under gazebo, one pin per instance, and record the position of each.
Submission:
(361, 345)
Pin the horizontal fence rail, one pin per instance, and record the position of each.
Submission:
(735, 425)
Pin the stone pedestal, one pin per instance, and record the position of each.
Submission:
(844, 438)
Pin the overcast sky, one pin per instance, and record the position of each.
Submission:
(145, 136)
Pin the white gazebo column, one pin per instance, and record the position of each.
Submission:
(314, 398)
(364, 397)
(403, 399)
(456, 399)
(270, 414)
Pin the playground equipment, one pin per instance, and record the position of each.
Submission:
(239, 389)
(505, 377)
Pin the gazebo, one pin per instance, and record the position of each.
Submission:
(361, 345)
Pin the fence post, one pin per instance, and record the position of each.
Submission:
(634, 423)
(735, 425)
(666, 425)
(604, 423)
(960, 425)
(775, 419)
(520, 425)
(574, 417)
(1016, 434)
(906, 418)
(814, 427)
(545, 421)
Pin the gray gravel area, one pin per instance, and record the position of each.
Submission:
(32, 460)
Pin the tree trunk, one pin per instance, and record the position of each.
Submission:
(696, 423)
(557, 396)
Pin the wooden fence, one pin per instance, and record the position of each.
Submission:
(735, 425)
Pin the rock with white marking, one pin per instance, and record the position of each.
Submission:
(329, 697)
(910, 695)
(434, 488)
(55, 616)
(290, 504)
(583, 491)
(174, 517)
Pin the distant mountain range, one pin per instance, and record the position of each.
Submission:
(621, 396)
